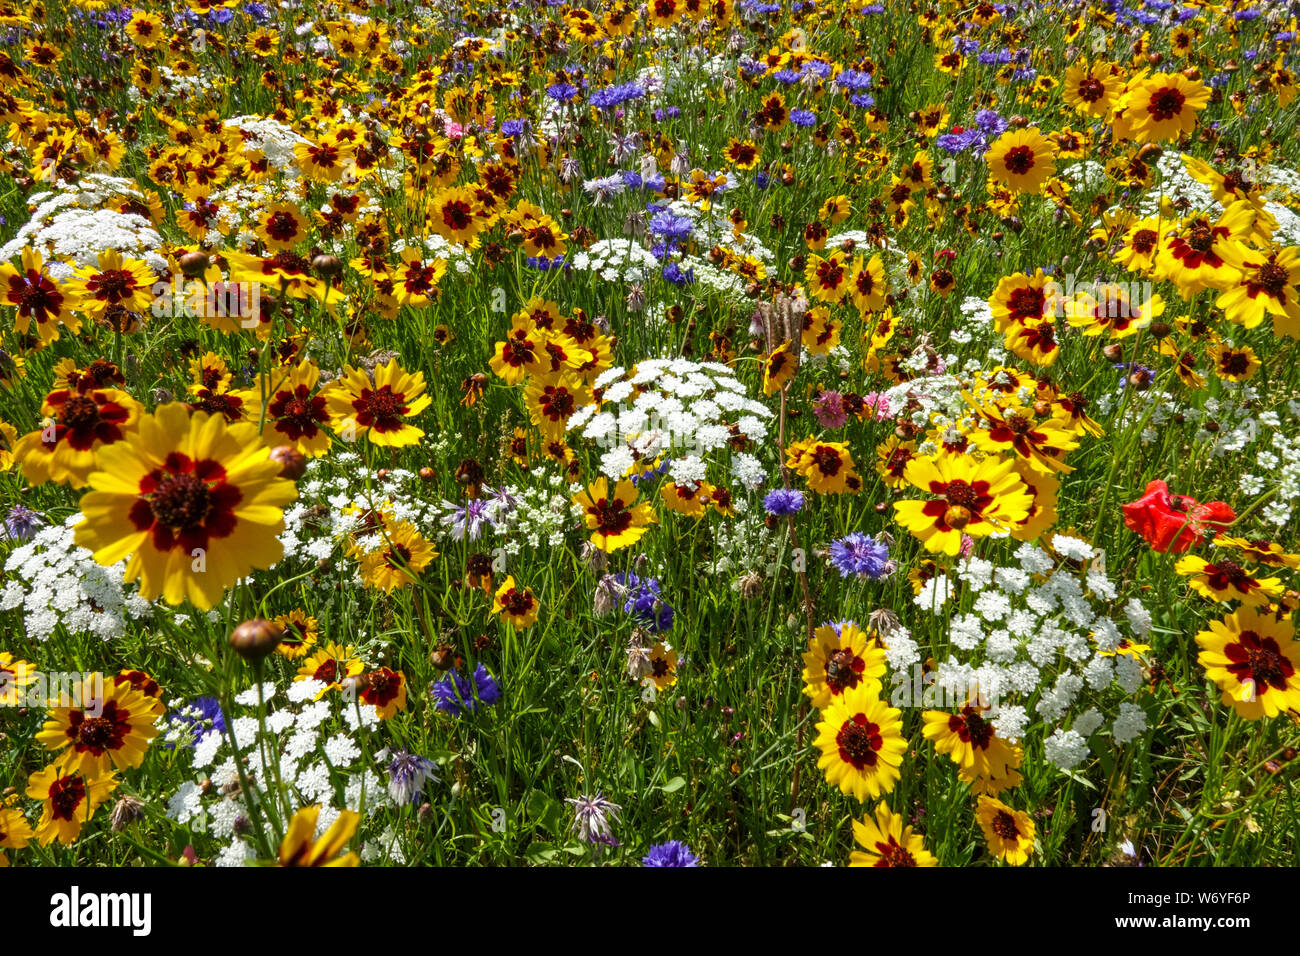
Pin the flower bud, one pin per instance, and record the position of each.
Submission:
(327, 266)
(254, 639)
(293, 463)
(194, 264)
(957, 517)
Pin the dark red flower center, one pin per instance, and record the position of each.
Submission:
(66, 794)
(858, 741)
(1019, 160)
(1004, 825)
(1165, 103)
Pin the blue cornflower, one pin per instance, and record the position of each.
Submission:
(563, 92)
(672, 853)
(644, 601)
(860, 554)
(462, 697)
(615, 95)
(673, 273)
(803, 117)
(855, 81)
(201, 716)
(956, 143)
(671, 227)
(513, 127)
(991, 122)
(783, 501)
(545, 263)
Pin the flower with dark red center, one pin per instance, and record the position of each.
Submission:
(77, 424)
(861, 742)
(192, 525)
(380, 409)
(385, 690)
(1255, 660)
(102, 724)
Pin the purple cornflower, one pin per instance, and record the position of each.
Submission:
(407, 775)
(803, 117)
(21, 523)
(592, 817)
(612, 96)
(856, 81)
(672, 272)
(958, 142)
(462, 696)
(860, 554)
(783, 501)
(672, 853)
(991, 122)
(472, 517)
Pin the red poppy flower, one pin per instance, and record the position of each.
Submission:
(1173, 522)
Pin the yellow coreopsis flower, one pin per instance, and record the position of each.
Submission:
(1163, 106)
(886, 841)
(840, 659)
(114, 282)
(399, 558)
(614, 518)
(1255, 661)
(516, 605)
(827, 466)
(1009, 833)
(380, 409)
(106, 724)
(70, 800)
(970, 497)
(77, 425)
(971, 742)
(38, 298)
(191, 503)
(301, 848)
(862, 743)
(1022, 160)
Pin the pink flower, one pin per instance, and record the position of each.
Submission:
(829, 409)
(878, 404)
